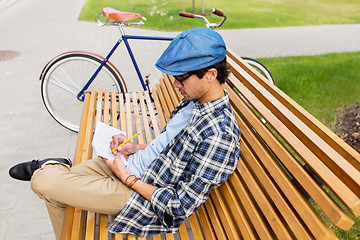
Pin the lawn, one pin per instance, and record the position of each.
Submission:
(163, 14)
(322, 84)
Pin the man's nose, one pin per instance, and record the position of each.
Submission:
(177, 84)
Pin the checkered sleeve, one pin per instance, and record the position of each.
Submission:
(214, 159)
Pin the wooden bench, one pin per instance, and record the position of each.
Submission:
(290, 166)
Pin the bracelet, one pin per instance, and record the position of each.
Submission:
(133, 182)
(128, 178)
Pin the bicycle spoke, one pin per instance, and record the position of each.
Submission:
(62, 85)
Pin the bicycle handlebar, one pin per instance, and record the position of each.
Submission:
(208, 24)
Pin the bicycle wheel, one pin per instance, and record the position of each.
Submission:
(65, 76)
(258, 66)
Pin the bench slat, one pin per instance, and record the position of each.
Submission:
(196, 226)
(162, 101)
(129, 130)
(69, 211)
(154, 122)
(167, 96)
(140, 138)
(183, 232)
(206, 223)
(172, 80)
(122, 112)
(145, 119)
(170, 88)
(160, 113)
(215, 221)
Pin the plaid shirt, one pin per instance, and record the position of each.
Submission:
(201, 157)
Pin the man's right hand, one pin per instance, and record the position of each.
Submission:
(126, 149)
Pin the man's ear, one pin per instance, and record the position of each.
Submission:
(211, 74)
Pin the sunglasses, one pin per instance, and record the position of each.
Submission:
(182, 78)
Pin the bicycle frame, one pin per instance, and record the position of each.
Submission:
(124, 38)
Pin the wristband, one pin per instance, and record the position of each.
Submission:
(133, 182)
(128, 178)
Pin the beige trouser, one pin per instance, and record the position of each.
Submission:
(90, 186)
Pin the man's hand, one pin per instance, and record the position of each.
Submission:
(126, 149)
(118, 167)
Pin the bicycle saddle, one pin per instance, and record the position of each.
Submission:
(116, 15)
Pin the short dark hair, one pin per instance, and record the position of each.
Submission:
(221, 67)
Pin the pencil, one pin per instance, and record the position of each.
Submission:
(125, 142)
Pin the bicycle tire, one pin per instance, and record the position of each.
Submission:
(64, 77)
(258, 66)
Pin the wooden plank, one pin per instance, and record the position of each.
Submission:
(171, 90)
(129, 130)
(114, 110)
(119, 237)
(167, 95)
(90, 226)
(131, 237)
(69, 211)
(79, 215)
(206, 223)
(169, 236)
(159, 109)
(172, 80)
(157, 237)
(122, 113)
(106, 109)
(196, 227)
(137, 122)
(183, 232)
(333, 211)
(152, 114)
(215, 220)
(144, 117)
(162, 100)
(103, 234)
(77, 232)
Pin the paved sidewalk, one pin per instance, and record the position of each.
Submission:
(41, 29)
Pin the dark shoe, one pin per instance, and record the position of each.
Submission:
(24, 171)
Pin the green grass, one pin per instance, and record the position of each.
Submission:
(322, 84)
(163, 14)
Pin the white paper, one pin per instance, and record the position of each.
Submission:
(102, 138)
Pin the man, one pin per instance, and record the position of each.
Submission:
(164, 181)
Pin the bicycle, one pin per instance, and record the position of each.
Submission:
(69, 76)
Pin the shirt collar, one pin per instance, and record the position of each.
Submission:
(209, 107)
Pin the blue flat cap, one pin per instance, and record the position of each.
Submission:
(191, 50)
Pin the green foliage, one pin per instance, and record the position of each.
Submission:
(322, 84)
(163, 14)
